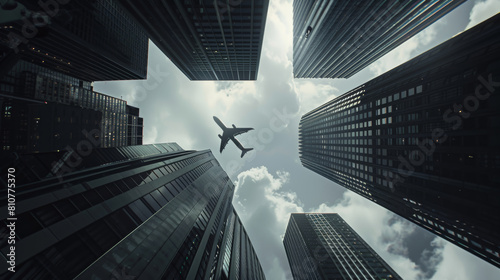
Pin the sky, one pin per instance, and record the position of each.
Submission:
(270, 181)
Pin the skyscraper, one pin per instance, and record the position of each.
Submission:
(152, 211)
(336, 39)
(45, 110)
(323, 246)
(134, 126)
(91, 40)
(422, 140)
(206, 40)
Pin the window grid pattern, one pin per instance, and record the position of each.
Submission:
(219, 40)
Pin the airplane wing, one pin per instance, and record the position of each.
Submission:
(237, 131)
(224, 139)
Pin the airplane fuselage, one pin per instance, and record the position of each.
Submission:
(219, 123)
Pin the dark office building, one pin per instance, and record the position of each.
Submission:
(422, 140)
(206, 40)
(337, 39)
(29, 126)
(141, 212)
(92, 40)
(134, 126)
(44, 110)
(323, 246)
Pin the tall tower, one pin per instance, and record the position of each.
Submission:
(422, 140)
(323, 246)
(152, 211)
(134, 126)
(52, 51)
(337, 39)
(206, 39)
(45, 110)
(92, 40)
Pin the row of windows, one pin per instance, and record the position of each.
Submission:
(321, 132)
(318, 142)
(52, 88)
(342, 175)
(403, 94)
(338, 105)
(329, 118)
(344, 153)
(345, 246)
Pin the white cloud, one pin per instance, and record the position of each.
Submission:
(432, 259)
(314, 93)
(406, 51)
(459, 264)
(264, 209)
(483, 10)
(258, 188)
(279, 33)
(229, 95)
(150, 135)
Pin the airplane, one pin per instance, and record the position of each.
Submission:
(229, 134)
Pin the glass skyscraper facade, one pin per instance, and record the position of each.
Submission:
(206, 40)
(45, 110)
(337, 39)
(142, 212)
(323, 246)
(134, 126)
(422, 140)
(90, 40)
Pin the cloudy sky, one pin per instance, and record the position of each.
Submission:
(270, 181)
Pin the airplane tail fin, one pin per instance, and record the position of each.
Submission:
(244, 151)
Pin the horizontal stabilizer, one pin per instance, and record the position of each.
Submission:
(244, 151)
